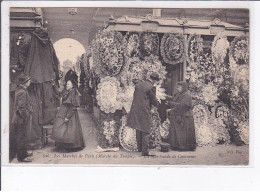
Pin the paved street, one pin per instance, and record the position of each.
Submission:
(220, 155)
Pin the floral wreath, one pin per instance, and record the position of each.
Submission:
(201, 115)
(239, 50)
(219, 48)
(108, 53)
(155, 136)
(173, 48)
(110, 132)
(132, 44)
(153, 64)
(127, 136)
(108, 93)
(149, 44)
(133, 71)
(194, 49)
(126, 97)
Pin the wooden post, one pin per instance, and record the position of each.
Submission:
(184, 68)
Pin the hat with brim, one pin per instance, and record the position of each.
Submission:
(155, 76)
(23, 79)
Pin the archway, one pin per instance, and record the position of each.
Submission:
(68, 50)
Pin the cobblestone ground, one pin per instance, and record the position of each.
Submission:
(219, 155)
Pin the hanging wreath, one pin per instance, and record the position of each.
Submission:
(127, 136)
(153, 64)
(109, 52)
(239, 50)
(219, 48)
(194, 49)
(133, 71)
(109, 133)
(173, 48)
(132, 44)
(149, 44)
(108, 93)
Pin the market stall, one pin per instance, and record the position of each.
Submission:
(32, 53)
(213, 56)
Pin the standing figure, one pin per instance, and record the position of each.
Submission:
(67, 131)
(140, 114)
(21, 120)
(182, 128)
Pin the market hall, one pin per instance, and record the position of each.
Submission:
(104, 53)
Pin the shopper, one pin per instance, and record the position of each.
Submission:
(182, 128)
(140, 114)
(21, 120)
(67, 131)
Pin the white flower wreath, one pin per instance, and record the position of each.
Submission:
(219, 48)
(108, 93)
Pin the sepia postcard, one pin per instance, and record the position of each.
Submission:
(127, 86)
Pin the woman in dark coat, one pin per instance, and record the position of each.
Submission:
(67, 131)
(182, 128)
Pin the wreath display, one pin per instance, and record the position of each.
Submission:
(173, 48)
(194, 49)
(153, 64)
(149, 44)
(109, 134)
(127, 136)
(108, 53)
(219, 48)
(108, 94)
(133, 71)
(239, 50)
(132, 44)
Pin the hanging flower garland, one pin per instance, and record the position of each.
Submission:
(127, 136)
(173, 48)
(110, 133)
(239, 50)
(219, 48)
(132, 44)
(107, 95)
(149, 44)
(108, 53)
(194, 49)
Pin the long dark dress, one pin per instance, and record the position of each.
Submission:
(182, 128)
(69, 134)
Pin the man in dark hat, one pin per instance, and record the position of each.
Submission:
(140, 114)
(21, 119)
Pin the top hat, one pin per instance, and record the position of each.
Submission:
(23, 79)
(155, 76)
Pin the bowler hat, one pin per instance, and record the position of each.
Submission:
(23, 79)
(155, 76)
